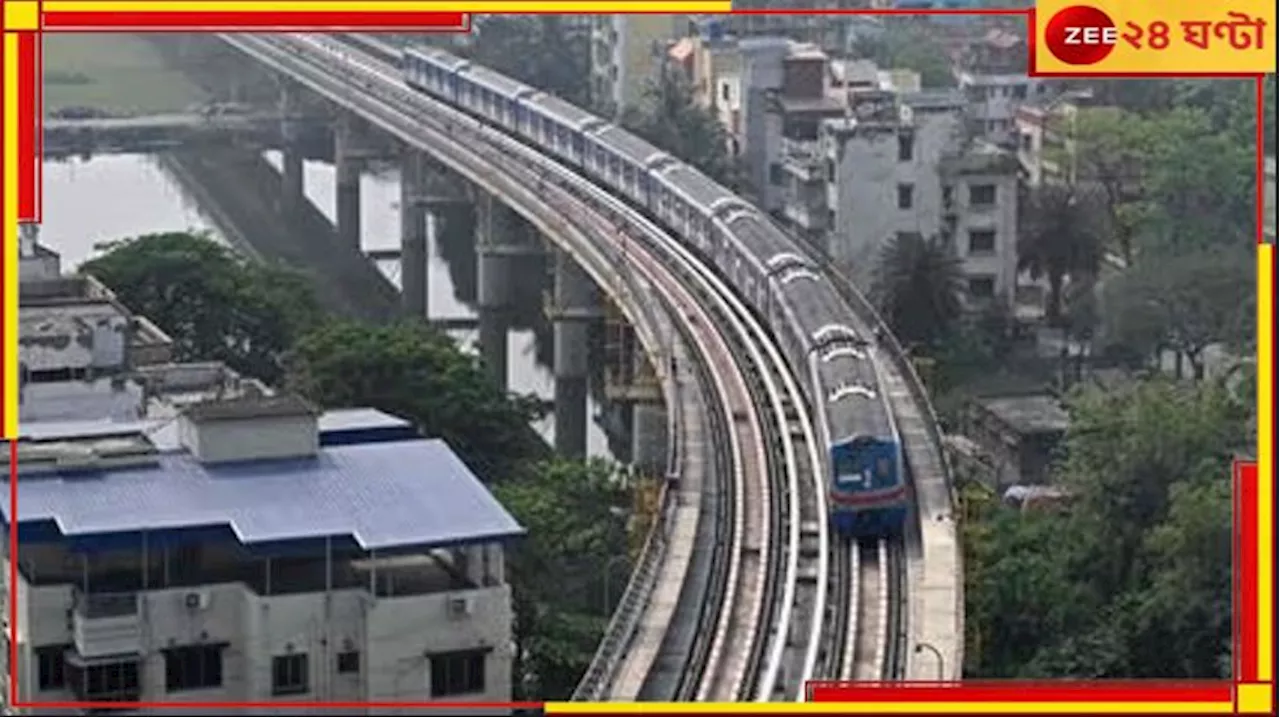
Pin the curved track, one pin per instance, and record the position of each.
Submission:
(780, 585)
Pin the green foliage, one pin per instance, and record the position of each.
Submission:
(213, 305)
(672, 120)
(264, 321)
(416, 372)
(910, 46)
(1135, 580)
(1174, 161)
(573, 512)
(1183, 302)
(918, 288)
(1060, 236)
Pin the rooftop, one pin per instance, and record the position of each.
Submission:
(112, 399)
(248, 406)
(380, 495)
(1028, 414)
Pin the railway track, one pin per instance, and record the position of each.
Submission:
(787, 603)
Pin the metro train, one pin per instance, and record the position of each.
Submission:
(867, 479)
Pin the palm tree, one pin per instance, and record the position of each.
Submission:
(1060, 235)
(918, 287)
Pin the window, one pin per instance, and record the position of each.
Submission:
(1020, 92)
(982, 195)
(906, 145)
(775, 174)
(1027, 141)
(946, 197)
(982, 287)
(51, 664)
(348, 662)
(905, 192)
(457, 673)
(110, 682)
(289, 674)
(193, 667)
(982, 241)
(831, 170)
(724, 91)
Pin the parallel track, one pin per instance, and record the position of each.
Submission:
(775, 564)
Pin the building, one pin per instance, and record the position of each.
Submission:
(992, 72)
(74, 328)
(626, 53)
(829, 32)
(1018, 435)
(257, 561)
(1046, 129)
(899, 164)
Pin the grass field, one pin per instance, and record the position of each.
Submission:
(115, 72)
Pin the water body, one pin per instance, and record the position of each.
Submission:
(87, 202)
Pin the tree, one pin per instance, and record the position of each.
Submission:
(1199, 185)
(1059, 237)
(214, 305)
(910, 46)
(418, 373)
(1111, 148)
(573, 512)
(918, 287)
(1183, 302)
(673, 121)
(1135, 580)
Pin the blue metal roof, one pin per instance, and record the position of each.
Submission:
(380, 495)
(344, 426)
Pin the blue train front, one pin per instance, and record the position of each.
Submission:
(868, 497)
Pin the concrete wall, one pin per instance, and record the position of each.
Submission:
(394, 635)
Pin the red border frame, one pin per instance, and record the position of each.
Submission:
(30, 147)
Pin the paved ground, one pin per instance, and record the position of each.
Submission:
(114, 72)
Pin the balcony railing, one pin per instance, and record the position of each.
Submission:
(106, 623)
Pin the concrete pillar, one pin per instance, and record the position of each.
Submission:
(347, 161)
(575, 306)
(293, 189)
(649, 438)
(413, 238)
(494, 289)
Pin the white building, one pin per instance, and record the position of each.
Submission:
(899, 165)
(259, 562)
(626, 53)
(993, 76)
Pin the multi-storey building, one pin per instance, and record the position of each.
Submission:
(898, 164)
(993, 75)
(627, 51)
(258, 561)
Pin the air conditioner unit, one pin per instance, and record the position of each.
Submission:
(196, 600)
(459, 607)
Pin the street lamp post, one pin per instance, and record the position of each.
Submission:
(921, 646)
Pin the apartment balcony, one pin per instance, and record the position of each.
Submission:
(804, 160)
(809, 215)
(106, 624)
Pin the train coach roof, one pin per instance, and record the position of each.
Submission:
(696, 185)
(562, 111)
(852, 397)
(443, 58)
(628, 145)
(759, 235)
(495, 81)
